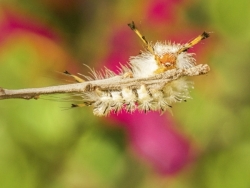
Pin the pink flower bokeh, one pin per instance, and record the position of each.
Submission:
(154, 139)
(14, 22)
(160, 11)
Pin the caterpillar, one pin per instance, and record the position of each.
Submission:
(158, 58)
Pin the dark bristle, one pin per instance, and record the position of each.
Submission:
(145, 40)
(104, 112)
(205, 35)
(66, 72)
(136, 93)
(74, 105)
(132, 25)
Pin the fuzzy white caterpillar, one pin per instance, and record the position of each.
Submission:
(151, 81)
(158, 58)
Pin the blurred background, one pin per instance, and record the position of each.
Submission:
(205, 143)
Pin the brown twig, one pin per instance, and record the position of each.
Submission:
(113, 83)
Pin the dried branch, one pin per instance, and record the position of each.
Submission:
(109, 84)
